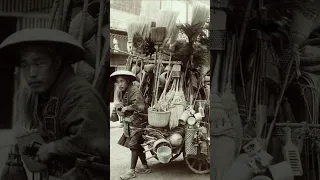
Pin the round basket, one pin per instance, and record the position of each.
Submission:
(86, 71)
(90, 51)
(158, 119)
(90, 26)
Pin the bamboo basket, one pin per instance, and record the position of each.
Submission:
(190, 149)
(90, 51)
(90, 27)
(305, 20)
(86, 71)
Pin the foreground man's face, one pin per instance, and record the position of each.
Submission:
(38, 69)
(122, 83)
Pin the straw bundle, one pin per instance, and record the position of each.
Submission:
(89, 29)
(200, 14)
(86, 71)
(158, 34)
(90, 50)
(174, 35)
(132, 29)
(146, 27)
(168, 19)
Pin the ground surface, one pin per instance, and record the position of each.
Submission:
(120, 162)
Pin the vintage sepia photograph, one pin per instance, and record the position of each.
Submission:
(159, 89)
(54, 104)
(265, 90)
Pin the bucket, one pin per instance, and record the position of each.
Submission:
(281, 171)
(164, 154)
(198, 116)
(158, 119)
(185, 115)
(261, 178)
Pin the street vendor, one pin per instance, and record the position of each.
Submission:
(132, 108)
(67, 111)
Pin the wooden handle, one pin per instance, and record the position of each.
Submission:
(216, 72)
(288, 114)
(284, 87)
(288, 133)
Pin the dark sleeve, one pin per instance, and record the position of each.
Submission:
(84, 120)
(136, 100)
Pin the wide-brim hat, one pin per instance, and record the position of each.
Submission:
(67, 46)
(125, 73)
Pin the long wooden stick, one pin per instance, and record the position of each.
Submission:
(279, 101)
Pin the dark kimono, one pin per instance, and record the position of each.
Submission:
(73, 117)
(133, 98)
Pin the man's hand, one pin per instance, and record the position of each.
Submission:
(124, 109)
(118, 106)
(45, 152)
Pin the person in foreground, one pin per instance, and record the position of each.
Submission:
(67, 111)
(132, 108)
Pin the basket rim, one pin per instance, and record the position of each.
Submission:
(159, 112)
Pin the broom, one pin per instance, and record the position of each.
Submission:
(157, 36)
(200, 14)
(168, 19)
(5, 172)
(230, 102)
(17, 171)
(132, 29)
(218, 114)
(164, 98)
(178, 103)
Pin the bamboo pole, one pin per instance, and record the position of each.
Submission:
(83, 23)
(66, 6)
(59, 16)
(53, 12)
(99, 34)
(83, 20)
(99, 71)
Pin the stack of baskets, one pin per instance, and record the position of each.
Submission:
(86, 68)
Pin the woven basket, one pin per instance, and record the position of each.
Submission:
(217, 40)
(90, 27)
(190, 149)
(86, 71)
(158, 119)
(305, 20)
(90, 51)
(310, 56)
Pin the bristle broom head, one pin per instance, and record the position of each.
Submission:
(158, 34)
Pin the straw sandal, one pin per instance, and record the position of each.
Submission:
(129, 175)
(143, 170)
